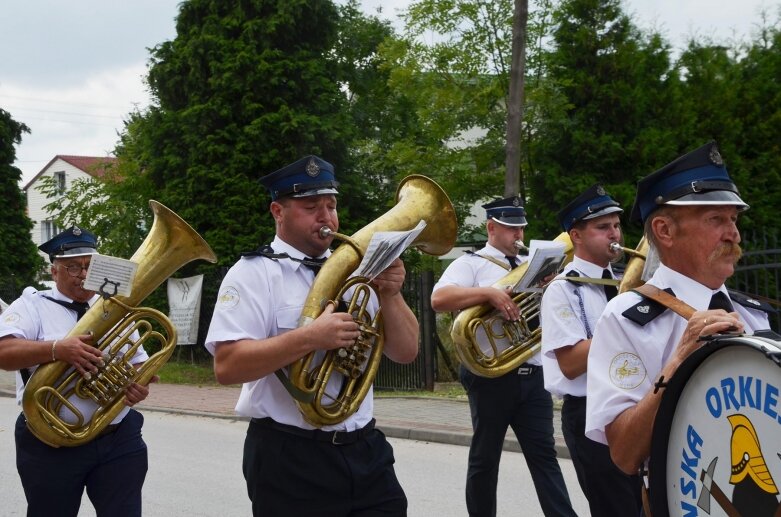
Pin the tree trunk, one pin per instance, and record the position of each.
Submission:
(513, 183)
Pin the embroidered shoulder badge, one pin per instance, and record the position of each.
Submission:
(627, 371)
(228, 298)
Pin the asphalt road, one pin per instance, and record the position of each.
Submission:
(195, 470)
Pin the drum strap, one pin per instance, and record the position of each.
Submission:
(676, 305)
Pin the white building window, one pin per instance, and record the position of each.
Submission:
(59, 177)
(48, 230)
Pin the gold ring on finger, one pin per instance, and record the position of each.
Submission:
(706, 321)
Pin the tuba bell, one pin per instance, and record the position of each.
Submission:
(417, 197)
(490, 346)
(114, 322)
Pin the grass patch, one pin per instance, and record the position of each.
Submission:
(445, 390)
(202, 374)
(175, 372)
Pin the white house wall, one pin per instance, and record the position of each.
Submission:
(36, 200)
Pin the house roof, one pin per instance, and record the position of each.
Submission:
(95, 166)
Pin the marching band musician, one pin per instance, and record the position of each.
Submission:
(517, 399)
(570, 310)
(113, 465)
(689, 208)
(291, 467)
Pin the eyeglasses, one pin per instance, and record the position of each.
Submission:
(74, 269)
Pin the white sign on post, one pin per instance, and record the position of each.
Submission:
(184, 299)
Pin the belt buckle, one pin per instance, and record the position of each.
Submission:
(524, 370)
(334, 440)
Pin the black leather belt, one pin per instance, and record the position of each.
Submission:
(108, 430)
(528, 369)
(332, 437)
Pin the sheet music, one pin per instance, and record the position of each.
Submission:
(112, 275)
(384, 248)
(546, 259)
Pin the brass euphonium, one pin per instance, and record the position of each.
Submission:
(490, 346)
(114, 322)
(417, 198)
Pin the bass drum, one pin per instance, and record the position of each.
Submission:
(715, 443)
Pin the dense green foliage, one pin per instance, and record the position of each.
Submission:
(21, 262)
(248, 86)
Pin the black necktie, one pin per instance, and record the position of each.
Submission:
(314, 263)
(512, 260)
(720, 301)
(610, 290)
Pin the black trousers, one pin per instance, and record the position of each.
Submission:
(112, 468)
(288, 474)
(520, 402)
(608, 490)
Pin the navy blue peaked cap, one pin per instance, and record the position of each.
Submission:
(309, 176)
(73, 242)
(508, 211)
(592, 203)
(696, 178)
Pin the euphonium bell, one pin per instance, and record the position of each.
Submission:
(113, 323)
(417, 198)
(490, 346)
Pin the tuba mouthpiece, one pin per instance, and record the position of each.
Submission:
(616, 247)
(325, 232)
(520, 245)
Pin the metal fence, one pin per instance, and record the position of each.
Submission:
(758, 273)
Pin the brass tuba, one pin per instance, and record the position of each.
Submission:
(417, 198)
(113, 321)
(490, 346)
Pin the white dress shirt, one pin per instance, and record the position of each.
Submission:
(260, 298)
(570, 311)
(35, 318)
(626, 358)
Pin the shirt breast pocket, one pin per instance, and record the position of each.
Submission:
(287, 318)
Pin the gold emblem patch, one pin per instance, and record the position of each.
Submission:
(627, 371)
(228, 299)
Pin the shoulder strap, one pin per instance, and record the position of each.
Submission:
(490, 259)
(264, 250)
(646, 310)
(753, 301)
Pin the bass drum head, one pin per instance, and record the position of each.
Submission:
(717, 434)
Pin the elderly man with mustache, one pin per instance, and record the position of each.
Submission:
(690, 210)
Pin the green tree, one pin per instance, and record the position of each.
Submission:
(616, 88)
(452, 68)
(21, 262)
(244, 88)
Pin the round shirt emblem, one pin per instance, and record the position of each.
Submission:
(627, 371)
(228, 299)
(11, 318)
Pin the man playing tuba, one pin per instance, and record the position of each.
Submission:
(516, 399)
(290, 466)
(112, 467)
